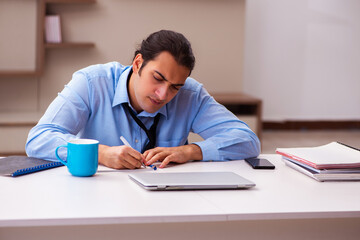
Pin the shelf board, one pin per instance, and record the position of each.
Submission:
(70, 1)
(69, 45)
(19, 73)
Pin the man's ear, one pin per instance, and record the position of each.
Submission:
(138, 60)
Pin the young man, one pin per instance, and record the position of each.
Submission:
(153, 104)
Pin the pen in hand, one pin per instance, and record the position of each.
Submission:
(128, 144)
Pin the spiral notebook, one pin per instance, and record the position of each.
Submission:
(20, 165)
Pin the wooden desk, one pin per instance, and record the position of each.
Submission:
(242, 104)
(284, 205)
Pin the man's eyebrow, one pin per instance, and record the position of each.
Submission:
(163, 77)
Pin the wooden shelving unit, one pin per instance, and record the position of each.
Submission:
(18, 124)
(41, 45)
(14, 128)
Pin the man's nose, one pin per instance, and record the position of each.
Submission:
(162, 92)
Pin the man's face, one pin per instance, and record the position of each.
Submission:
(158, 82)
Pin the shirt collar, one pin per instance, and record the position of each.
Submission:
(121, 95)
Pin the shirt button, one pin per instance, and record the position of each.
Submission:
(136, 140)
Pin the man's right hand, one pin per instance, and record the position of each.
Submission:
(120, 157)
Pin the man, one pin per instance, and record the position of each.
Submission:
(153, 104)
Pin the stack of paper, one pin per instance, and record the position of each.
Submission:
(52, 29)
(333, 161)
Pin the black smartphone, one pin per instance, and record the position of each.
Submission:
(260, 163)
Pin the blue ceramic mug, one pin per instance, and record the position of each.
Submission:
(82, 157)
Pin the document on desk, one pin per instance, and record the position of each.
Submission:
(332, 155)
(14, 166)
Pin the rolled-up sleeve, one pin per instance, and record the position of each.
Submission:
(63, 119)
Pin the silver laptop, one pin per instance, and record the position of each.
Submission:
(190, 180)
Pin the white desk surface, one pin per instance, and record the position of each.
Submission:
(54, 197)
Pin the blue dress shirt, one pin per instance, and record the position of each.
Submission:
(90, 107)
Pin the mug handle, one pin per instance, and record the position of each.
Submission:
(57, 155)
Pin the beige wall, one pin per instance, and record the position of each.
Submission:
(215, 29)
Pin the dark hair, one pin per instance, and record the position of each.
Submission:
(164, 40)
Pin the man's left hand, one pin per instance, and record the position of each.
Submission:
(165, 155)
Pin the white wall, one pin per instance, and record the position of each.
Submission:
(303, 58)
